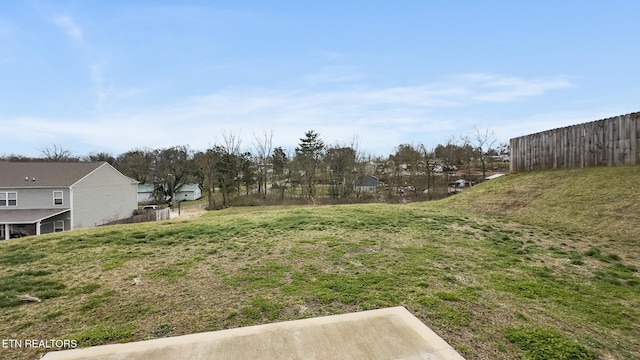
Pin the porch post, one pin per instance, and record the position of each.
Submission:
(38, 228)
(7, 235)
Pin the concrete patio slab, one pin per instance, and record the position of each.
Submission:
(392, 333)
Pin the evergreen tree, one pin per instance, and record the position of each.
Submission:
(309, 154)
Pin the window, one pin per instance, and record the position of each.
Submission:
(57, 198)
(8, 199)
(58, 225)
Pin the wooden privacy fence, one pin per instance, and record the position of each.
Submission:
(607, 142)
(144, 216)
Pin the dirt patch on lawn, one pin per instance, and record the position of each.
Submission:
(188, 213)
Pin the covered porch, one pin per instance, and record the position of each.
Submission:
(19, 223)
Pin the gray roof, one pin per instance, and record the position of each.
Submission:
(49, 174)
(28, 216)
(188, 187)
(142, 188)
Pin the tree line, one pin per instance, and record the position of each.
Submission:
(312, 170)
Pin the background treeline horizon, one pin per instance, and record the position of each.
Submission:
(313, 171)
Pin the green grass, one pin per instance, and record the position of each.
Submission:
(102, 334)
(543, 344)
(163, 330)
(493, 286)
(18, 283)
(601, 200)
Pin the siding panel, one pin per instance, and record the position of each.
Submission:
(104, 195)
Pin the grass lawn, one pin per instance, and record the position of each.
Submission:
(498, 286)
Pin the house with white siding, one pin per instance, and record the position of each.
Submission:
(45, 197)
(185, 192)
(188, 192)
(145, 194)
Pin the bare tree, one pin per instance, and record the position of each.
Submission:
(347, 169)
(341, 163)
(263, 146)
(429, 162)
(452, 155)
(281, 168)
(407, 162)
(220, 166)
(247, 171)
(482, 142)
(136, 164)
(279, 161)
(99, 157)
(172, 168)
(56, 152)
(18, 157)
(228, 165)
(206, 164)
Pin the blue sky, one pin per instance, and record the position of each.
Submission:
(111, 76)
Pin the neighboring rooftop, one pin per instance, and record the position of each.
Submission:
(42, 174)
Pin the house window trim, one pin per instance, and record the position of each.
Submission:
(58, 226)
(61, 198)
(6, 201)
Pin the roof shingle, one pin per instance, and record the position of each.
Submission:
(43, 174)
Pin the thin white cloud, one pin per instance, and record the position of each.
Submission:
(333, 74)
(96, 64)
(530, 124)
(498, 88)
(106, 93)
(70, 27)
(97, 76)
(382, 118)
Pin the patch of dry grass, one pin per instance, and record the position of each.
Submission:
(473, 279)
(600, 204)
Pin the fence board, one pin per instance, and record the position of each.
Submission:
(147, 216)
(612, 141)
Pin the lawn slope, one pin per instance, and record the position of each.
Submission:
(600, 200)
(494, 286)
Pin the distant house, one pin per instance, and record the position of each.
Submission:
(45, 197)
(186, 192)
(368, 184)
(145, 193)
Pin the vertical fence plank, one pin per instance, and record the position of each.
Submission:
(634, 133)
(612, 141)
(625, 136)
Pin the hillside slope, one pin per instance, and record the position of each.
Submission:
(494, 287)
(603, 201)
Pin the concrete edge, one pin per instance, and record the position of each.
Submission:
(440, 346)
